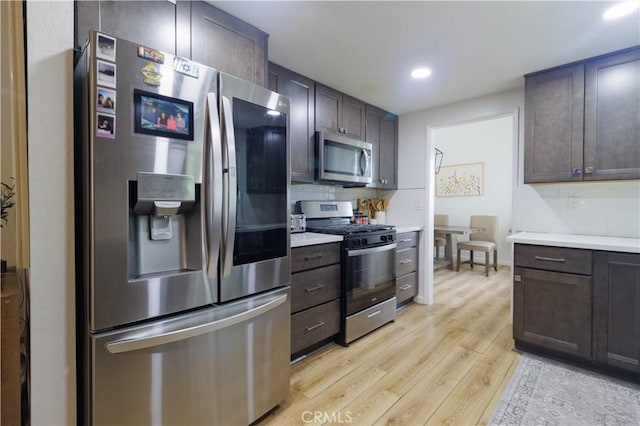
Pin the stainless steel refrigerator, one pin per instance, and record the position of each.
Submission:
(182, 211)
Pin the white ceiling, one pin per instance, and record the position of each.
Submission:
(368, 48)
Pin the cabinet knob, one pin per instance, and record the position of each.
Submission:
(517, 278)
(576, 171)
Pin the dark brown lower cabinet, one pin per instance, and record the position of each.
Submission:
(616, 310)
(315, 296)
(314, 325)
(552, 310)
(582, 305)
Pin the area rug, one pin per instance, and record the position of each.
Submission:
(547, 392)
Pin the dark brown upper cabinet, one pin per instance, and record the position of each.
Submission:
(194, 30)
(553, 125)
(227, 44)
(382, 133)
(582, 120)
(339, 112)
(150, 23)
(301, 91)
(612, 117)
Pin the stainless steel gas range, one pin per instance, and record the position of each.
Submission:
(368, 266)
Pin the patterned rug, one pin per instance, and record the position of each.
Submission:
(547, 392)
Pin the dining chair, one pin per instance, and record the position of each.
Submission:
(484, 240)
(439, 241)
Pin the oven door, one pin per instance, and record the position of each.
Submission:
(370, 276)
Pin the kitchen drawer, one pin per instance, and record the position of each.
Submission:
(406, 261)
(309, 257)
(313, 287)
(407, 239)
(406, 287)
(559, 259)
(314, 325)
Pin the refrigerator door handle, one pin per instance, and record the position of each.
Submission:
(212, 187)
(144, 342)
(229, 218)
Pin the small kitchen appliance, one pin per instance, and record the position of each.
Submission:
(298, 223)
(368, 256)
(343, 160)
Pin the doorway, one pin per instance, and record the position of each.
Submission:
(485, 147)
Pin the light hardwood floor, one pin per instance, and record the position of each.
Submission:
(447, 363)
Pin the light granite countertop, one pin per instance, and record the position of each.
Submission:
(311, 238)
(593, 242)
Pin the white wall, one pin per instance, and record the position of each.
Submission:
(50, 140)
(491, 142)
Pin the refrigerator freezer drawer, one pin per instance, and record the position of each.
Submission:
(224, 365)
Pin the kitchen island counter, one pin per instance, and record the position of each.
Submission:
(592, 242)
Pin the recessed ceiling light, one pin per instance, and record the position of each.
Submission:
(621, 9)
(273, 112)
(419, 73)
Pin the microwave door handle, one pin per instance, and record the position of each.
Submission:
(230, 188)
(212, 186)
(367, 161)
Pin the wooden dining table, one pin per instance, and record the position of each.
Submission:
(448, 232)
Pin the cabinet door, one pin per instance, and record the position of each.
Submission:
(388, 163)
(612, 117)
(382, 133)
(302, 135)
(353, 117)
(373, 129)
(152, 24)
(328, 108)
(554, 115)
(228, 44)
(616, 310)
(552, 310)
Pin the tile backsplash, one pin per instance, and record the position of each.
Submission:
(590, 208)
(330, 193)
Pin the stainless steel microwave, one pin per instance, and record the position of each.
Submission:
(342, 159)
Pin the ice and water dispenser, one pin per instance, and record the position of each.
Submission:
(165, 225)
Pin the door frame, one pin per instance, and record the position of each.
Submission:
(427, 295)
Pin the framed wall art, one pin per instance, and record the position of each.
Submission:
(460, 180)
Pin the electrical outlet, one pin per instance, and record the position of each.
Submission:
(574, 203)
(418, 204)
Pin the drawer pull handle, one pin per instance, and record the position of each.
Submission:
(313, 257)
(312, 289)
(406, 240)
(551, 259)
(373, 314)
(406, 287)
(313, 327)
(405, 261)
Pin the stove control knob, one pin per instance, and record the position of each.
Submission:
(364, 241)
(383, 238)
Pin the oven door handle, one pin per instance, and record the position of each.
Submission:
(370, 250)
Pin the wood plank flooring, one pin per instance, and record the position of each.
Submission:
(447, 363)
